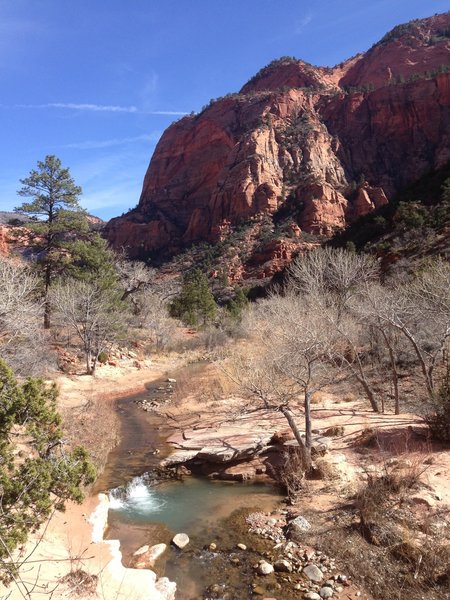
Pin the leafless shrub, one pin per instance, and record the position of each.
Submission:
(292, 472)
(212, 338)
(80, 582)
(23, 343)
(94, 315)
(381, 494)
(325, 469)
(334, 431)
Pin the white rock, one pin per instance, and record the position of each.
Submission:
(146, 556)
(265, 568)
(180, 540)
(326, 592)
(141, 550)
(313, 573)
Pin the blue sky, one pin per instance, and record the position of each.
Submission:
(96, 82)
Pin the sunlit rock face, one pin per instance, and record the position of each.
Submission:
(327, 144)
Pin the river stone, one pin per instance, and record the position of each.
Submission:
(265, 568)
(311, 596)
(242, 547)
(180, 540)
(313, 573)
(297, 527)
(283, 566)
(146, 556)
(326, 592)
(170, 380)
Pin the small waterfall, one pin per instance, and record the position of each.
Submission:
(138, 496)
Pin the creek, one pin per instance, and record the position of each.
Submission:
(144, 510)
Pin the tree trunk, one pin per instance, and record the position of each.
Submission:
(308, 433)
(89, 362)
(369, 392)
(422, 362)
(47, 308)
(306, 451)
(394, 372)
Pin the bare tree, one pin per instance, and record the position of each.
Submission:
(429, 299)
(134, 275)
(22, 340)
(292, 359)
(332, 276)
(95, 314)
(420, 312)
(377, 311)
(332, 280)
(153, 315)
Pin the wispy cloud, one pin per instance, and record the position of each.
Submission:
(100, 108)
(303, 22)
(93, 144)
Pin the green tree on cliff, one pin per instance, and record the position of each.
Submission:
(58, 217)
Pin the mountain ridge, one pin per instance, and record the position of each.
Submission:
(324, 145)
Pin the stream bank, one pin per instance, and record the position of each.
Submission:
(241, 543)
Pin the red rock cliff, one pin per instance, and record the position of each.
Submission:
(323, 144)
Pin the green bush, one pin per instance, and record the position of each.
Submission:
(195, 305)
(412, 215)
(103, 358)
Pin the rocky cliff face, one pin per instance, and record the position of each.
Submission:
(318, 145)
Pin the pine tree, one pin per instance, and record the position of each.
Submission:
(49, 476)
(239, 303)
(58, 217)
(195, 305)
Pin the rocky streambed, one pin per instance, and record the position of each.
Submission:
(241, 541)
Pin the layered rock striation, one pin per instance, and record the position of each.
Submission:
(321, 146)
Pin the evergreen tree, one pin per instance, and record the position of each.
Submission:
(239, 303)
(93, 261)
(33, 487)
(58, 217)
(195, 305)
(442, 213)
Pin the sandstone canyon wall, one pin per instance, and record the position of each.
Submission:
(324, 144)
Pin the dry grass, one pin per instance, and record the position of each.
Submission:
(94, 426)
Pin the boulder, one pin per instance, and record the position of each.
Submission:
(283, 566)
(313, 573)
(180, 540)
(265, 568)
(298, 527)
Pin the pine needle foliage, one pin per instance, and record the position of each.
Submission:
(39, 475)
